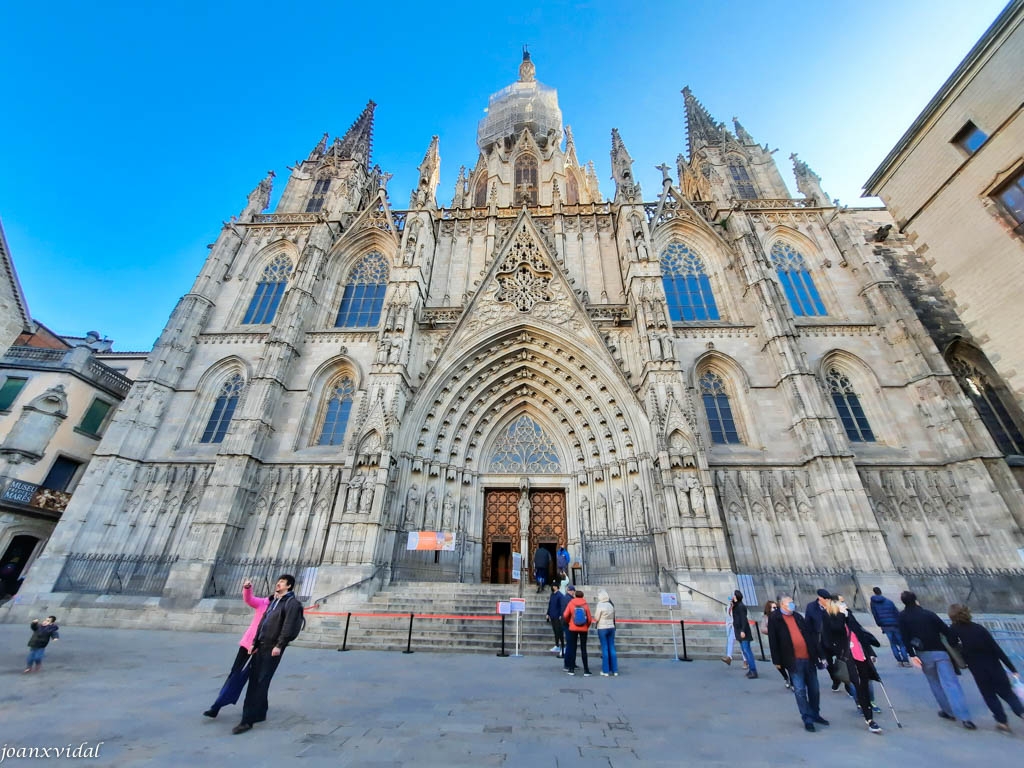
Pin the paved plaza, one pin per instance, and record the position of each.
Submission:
(142, 693)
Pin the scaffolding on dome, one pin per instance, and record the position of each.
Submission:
(521, 105)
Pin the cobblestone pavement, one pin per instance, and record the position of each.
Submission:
(142, 693)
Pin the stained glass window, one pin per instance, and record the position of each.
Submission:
(993, 411)
(524, 447)
(316, 200)
(269, 290)
(223, 410)
(796, 281)
(718, 410)
(336, 416)
(364, 294)
(687, 288)
(741, 181)
(848, 405)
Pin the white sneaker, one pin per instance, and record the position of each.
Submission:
(555, 649)
(604, 674)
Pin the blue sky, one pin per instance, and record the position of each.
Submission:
(131, 130)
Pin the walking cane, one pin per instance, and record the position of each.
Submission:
(889, 701)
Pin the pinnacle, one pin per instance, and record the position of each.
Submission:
(701, 128)
(357, 143)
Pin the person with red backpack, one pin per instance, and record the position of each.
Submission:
(578, 619)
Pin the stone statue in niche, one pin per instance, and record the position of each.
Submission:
(447, 513)
(619, 510)
(636, 508)
(355, 485)
(395, 357)
(682, 494)
(601, 514)
(696, 496)
(412, 507)
(585, 521)
(463, 520)
(668, 348)
(431, 511)
(382, 352)
(524, 507)
(366, 497)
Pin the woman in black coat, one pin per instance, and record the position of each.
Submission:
(982, 655)
(849, 647)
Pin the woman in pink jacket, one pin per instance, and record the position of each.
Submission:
(259, 607)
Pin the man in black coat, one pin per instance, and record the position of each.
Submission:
(541, 567)
(280, 625)
(741, 627)
(796, 649)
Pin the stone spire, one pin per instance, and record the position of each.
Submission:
(430, 174)
(701, 130)
(570, 148)
(357, 143)
(459, 198)
(593, 182)
(527, 70)
(626, 188)
(259, 198)
(319, 149)
(808, 182)
(741, 133)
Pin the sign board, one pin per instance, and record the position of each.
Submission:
(431, 541)
(504, 607)
(518, 604)
(670, 599)
(517, 565)
(20, 492)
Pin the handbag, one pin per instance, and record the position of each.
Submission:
(954, 653)
(840, 670)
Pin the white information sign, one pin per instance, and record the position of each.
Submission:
(517, 565)
(671, 599)
(518, 605)
(504, 607)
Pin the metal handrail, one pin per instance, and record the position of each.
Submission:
(692, 589)
(321, 600)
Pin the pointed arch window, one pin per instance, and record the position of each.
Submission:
(339, 405)
(796, 281)
(364, 293)
(741, 181)
(858, 430)
(480, 194)
(572, 190)
(525, 447)
(316, 200)
(269, 290)
(526, 180)
(687, 287)
(223, 409)
(993, 411)
(719, 412)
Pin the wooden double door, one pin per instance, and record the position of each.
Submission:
(502, 530)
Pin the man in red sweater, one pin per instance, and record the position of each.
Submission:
(795, 648)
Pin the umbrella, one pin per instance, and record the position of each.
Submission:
(233, 687)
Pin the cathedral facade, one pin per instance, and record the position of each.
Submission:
(711, 381)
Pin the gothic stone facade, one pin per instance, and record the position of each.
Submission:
(718, 378)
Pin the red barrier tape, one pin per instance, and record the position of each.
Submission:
(497, 618)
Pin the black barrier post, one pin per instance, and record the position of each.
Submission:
(408, 643)
(682, 629)
(502, 636)
(760, 641)
(344, 640)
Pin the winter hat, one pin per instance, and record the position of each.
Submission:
(602, 596)
(571, 588)
(825, 594)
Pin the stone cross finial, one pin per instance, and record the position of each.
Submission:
(665, 178)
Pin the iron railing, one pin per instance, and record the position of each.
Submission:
(115, 574)
(426, 565)
(229, 574)
(620, 560)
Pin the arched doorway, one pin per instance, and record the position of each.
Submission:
(13, 563)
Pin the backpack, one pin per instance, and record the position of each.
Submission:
(579, 616)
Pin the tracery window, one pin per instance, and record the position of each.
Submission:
(223, 410)
(741, 181)
(796, 281)
(316, 200)
(364, 293)
(687, 287)
(269, 290)
(858, 430)
(339, 405)
(993, 411)
(526, 180)
(572, 190)
(525, 447)
(718, 410)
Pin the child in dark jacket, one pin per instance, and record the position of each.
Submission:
(43, 630)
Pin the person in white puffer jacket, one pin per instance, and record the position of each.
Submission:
(604, 620)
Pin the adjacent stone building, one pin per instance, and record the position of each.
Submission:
(713, 380)
(955, 185)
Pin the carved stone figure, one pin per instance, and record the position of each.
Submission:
(585, 520)
(620, 511)
(636, 508)
(447, 513)
(355, 486)
(382, 352)
(366, 497)
(682, 494)
(601, 514)
(396, 352)
(668, 349)
(696, 496)
(412, 507)
(431, 511)
(463, 520)
(524, 507)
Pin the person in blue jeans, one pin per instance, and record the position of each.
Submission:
(887, 617)
(604, 620)
(924, 631)
(43, 631)
(796, 648)
(741, 626)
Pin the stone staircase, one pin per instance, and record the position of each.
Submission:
(388, 627)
